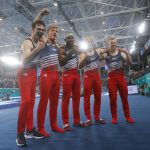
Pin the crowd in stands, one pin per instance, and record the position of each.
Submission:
(8, 81)
(144, 89)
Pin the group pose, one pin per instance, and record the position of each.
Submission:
(44, 52)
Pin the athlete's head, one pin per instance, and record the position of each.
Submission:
(111, 42)
(38, 29)
(90, 41)
(69, 39)
(52, 33)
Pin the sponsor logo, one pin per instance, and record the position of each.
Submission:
(92, 58)
(45, 75)
(114, 58)
(86, 76)
(65, 75)
(53, 49)
(25, 74)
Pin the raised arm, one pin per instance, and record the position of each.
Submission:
(42, 13)
(125, 55)
(102, 52)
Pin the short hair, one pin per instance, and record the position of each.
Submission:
(52, 26)
(89, 38)
(68, 35)
(110, 38)
(38, 22)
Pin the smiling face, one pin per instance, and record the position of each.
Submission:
(112, 43)
(70, 40)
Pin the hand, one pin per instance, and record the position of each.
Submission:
(40, 46)
(122, 50)
(44, 12)
(43, 39)
(104, 51)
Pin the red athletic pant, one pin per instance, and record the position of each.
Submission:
(27, 87)
(116, 81)
(49, 90)
(71, 85)
(92, 82)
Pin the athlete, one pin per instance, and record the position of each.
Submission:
(27, 82)
(68, 59)
(90, 62)
(49, 80)
(115, 58)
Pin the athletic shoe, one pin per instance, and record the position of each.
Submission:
(33, 134)
(100, 121)
(114, 121)
(44, 133)
(66, 127)
(80, 124)
(129, 120)
(21, 141)
(88, 122)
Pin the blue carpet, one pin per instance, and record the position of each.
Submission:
(122, 136)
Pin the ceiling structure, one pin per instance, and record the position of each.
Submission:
(98, 18)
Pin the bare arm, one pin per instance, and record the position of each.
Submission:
(102, 52)
(82, 60)
(125, 55)
(28, 52)
(42, 13)
(61, 56)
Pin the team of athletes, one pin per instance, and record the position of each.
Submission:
(44, 52)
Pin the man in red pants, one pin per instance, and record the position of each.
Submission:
(49, 80)
(90, 62)
(27, 82)
(70, 82)
(115, 58)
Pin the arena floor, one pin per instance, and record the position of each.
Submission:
(122, 136)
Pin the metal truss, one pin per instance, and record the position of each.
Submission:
(98, 18)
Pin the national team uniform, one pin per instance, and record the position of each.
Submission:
(116, 81)
(27, 85)
(92, 82)
(71, 86)
(49, 87)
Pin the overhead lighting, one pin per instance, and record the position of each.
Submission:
(83, 45)
(55, 4)
(132, 47)
(11, 61)
(103, 22)
(131, 50)
(141, 28)
(1, 19)
(16, 28)
(102, 12)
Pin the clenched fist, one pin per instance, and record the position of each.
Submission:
(44, 12)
